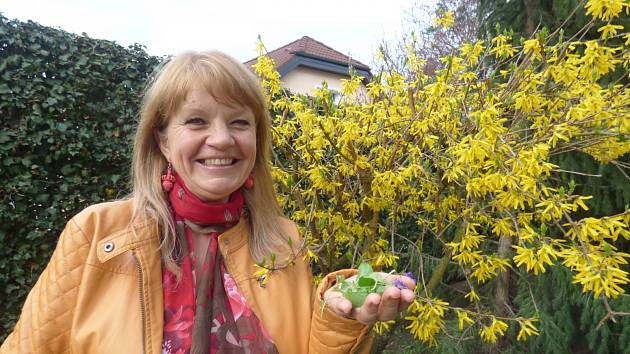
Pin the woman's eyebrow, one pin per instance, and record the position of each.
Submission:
(194, 110)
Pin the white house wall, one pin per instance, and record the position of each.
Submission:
(303, 80)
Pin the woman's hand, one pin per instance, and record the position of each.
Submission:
(386, 307)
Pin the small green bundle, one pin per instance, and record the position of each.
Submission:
(367, 282)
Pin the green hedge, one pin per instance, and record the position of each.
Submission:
(68, 106)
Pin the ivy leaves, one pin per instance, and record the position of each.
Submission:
(68, 105)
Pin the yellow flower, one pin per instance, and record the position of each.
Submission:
(471, 52)
(310, 256)
(598, 60)
(527, 329)
(386, 259)
(463, 319)
(426, 319)
(467, 257)
(603, 275)
(382, 327)
(605, 9)
(609, 30)
(502, 48)
(262, 275)
(532, 46)
(472, 296)
(535, 261)
(446, 20)
(490, 333)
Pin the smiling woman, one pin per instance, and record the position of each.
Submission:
(211, 145)
(170, 269)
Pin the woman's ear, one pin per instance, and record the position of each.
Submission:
(162, 141)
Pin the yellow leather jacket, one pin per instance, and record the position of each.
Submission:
(102, 293)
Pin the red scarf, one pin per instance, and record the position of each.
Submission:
(198, 314)
(187, 206)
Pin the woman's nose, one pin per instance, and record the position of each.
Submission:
(219, 136)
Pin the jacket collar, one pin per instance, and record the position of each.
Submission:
(135, 236)
(236, 237)
(129, 238)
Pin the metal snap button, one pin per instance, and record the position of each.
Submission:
(108, 247)
(226, 242)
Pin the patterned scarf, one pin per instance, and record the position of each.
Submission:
(204, 312)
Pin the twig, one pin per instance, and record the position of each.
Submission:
(619, 166)
(575, 172)
(610, 314)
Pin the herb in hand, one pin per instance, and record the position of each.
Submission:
(367, 282)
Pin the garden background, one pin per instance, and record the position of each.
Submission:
(468, 163)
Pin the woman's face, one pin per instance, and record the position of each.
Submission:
(212, 146)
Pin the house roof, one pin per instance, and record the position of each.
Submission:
(309, 52)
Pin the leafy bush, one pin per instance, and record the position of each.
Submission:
(68, 105)
(465, 156)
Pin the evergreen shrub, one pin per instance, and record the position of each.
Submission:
(68, 105)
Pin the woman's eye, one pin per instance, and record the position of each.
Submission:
(195, 121)
(241, 122)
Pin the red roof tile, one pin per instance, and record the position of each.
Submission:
(312, 48)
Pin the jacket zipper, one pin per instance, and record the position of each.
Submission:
(142, 306)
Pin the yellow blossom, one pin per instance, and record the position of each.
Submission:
(503, 49)
(533, 47)
(609, 30)
(492, 332)
(381, 327)
(472, 296)
(527, 329)
(446, 20)
(463, 319)
(605, 9)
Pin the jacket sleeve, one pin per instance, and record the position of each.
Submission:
(331, 333)
(45, 323)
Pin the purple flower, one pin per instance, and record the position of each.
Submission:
(400, 285)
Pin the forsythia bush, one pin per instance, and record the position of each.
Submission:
(465, 155)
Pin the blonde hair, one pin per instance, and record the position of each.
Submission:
(229, 82)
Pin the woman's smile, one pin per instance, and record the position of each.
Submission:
(218, 162)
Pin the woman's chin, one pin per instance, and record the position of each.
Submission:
(213, 193)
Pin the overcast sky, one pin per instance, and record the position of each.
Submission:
(353, 27)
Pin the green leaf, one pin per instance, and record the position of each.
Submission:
(357, 298)
(42, 198)
(6, 136)
(67, 169)
(366, 282)
(365, 269)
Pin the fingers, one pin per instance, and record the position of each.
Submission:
(337, 303)
(400, 281)
(408, 282)
(368, 313)
(385, 307)
(390, 304)
(343, 306)
(406, 298)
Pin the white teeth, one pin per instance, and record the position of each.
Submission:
(217, 162)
